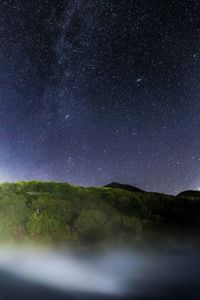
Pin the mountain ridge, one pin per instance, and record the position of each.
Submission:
(190, 193)
(127, 187)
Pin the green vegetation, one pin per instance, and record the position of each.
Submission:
(60, 213)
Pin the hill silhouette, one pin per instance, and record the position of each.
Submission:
(116, 185)
(190, 193)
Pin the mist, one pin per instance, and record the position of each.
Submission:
(112, 274)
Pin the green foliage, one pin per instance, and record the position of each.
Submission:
(91, 225)
(59, 213)
(14, 215)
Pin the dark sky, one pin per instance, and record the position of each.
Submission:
(94, 91)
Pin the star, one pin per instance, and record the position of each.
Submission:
(67, 117)
(139, 79)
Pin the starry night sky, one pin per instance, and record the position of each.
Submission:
(94, 91)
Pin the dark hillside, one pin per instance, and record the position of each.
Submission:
(190, 193)
(116, 185)
(61, 213)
